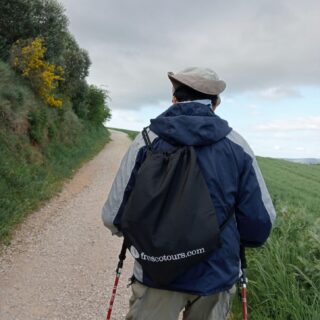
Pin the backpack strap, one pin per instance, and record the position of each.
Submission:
(146, 138)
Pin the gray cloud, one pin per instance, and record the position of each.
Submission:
(254, 45)
(278, 93)
(298, 124)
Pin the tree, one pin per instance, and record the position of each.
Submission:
(98, 111)
(15, 24)
(79, 99)
(50, 23)
(29, 19)
(76, 63)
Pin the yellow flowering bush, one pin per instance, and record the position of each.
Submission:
(28, 58)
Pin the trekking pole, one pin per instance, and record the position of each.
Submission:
(122, 257)
(243, 283)
(189, 304)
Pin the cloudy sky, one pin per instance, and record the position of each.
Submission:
(267, 51)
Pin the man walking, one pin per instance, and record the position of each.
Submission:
(235, 184)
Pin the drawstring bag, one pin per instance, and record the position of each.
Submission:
(169, 222)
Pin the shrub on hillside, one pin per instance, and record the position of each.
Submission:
(38, 123)
(14, 100)
(28, 58)
(78, 99)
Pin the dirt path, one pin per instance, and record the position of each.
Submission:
(61, 262)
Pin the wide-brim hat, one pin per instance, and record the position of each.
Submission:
(203, 80)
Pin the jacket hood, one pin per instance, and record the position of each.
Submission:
(190, 123)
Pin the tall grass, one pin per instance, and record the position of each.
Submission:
(284, 275)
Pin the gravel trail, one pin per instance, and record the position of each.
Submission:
(61, 263)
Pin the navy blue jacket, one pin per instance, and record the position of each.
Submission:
(234, 181)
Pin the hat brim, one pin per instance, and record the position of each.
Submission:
(203, 85)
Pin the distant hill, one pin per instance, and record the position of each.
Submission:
(304, 160)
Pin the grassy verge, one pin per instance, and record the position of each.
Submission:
(33, 174)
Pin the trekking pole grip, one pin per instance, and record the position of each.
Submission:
(122, 256)
(243, 257)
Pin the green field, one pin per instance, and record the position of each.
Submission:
(296, 184)
(284, 275)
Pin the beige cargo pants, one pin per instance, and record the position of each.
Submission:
(154, 304)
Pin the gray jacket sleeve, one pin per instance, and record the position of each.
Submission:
(114, 200)
(115, 197)
(255, 212)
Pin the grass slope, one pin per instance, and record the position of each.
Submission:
(297, 184)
